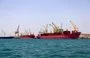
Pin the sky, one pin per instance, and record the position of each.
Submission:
(33, 14)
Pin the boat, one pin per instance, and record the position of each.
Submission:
(64, 35)
(6, 37)
(59, 33)
(26, 35)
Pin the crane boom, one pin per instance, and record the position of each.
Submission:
(55, 27)
(17, 32)
(45, 29)
(74, 26)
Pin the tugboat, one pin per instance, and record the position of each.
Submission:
(59, 33)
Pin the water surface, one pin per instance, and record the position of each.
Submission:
(40, 48)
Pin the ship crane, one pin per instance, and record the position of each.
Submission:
(45, 29)
(28, 31)
(55, 28)
(52, 27)
(17, 32)
(74, 26)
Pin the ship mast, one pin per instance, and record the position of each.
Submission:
(29, 31)
(46, 29)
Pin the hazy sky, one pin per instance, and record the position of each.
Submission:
(34, 14)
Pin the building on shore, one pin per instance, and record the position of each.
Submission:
(85, 35)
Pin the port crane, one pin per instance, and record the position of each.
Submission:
(74, 26)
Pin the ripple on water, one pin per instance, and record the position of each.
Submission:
(5, 52)
(35, 48)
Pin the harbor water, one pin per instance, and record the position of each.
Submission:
(42, 48)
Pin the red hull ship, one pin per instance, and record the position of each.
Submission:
(65, 35)
(58, 33)
(27, 36)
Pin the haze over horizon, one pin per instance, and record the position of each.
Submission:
(34, 14)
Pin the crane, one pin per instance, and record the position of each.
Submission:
(74, 26)
(17, 32)
(45, 29)
(55, 28)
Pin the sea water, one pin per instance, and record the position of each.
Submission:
(41, 48)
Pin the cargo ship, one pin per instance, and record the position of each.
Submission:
(59, 33)
(24, 36)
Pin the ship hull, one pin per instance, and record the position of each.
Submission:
(59, 36)
(27, 36)
(11, 37)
